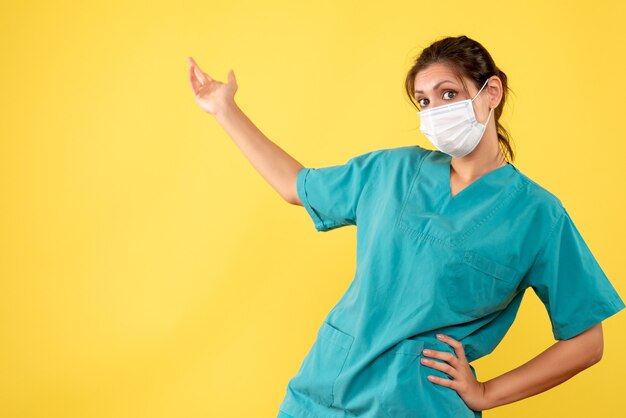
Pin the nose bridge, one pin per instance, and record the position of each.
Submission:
(438, 102)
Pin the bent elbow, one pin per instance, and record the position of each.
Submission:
(593, 340)
(598, 355)
(594, 356)
(294, 200)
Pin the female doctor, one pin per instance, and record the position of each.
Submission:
(448, 240)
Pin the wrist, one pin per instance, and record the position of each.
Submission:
(488, 400)
(226, 109)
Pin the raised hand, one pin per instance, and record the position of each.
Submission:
(211, 95)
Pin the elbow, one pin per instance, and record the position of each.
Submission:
(591, 345)
(598, 347)
(290, 194)
(589, 358)
(597, 355)
(294, 200)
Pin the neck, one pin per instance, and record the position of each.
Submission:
(486, 157)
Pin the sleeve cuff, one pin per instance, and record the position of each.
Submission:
(575, 328)
(318, 222)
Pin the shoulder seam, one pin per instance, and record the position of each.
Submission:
(544, 244)
(368, 184)
(539, 187)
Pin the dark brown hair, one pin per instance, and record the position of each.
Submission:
(465, 57)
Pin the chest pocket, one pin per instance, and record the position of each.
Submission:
(480, 286)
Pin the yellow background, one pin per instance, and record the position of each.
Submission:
(147, 270)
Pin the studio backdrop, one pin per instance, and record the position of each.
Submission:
(148, 270)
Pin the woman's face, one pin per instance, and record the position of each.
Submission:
(437, 85)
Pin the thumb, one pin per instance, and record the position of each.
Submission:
(231, 77)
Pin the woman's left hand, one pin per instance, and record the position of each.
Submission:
(457, 367)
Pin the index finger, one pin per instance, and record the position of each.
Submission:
(456, 345)
(191, 61)
(195, 84)
(201, 75)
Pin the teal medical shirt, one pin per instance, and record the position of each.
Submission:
(431, 263)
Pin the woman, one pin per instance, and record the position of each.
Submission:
(448, 241)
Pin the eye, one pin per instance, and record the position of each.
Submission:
(424, 102)
(421, 104)
(450, 91)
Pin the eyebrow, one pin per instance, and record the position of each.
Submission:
(435, 86)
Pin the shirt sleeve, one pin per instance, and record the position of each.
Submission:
(569, 281)
(331, 195)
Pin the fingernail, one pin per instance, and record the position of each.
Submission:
(440, 336)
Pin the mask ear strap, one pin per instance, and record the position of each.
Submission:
(481, 89)
(487, 121)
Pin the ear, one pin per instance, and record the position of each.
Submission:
(494, 90)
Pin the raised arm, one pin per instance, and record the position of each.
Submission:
(277, 167)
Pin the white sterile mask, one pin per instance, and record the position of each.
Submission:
(453, 128)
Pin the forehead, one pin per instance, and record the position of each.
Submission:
(433, 74)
